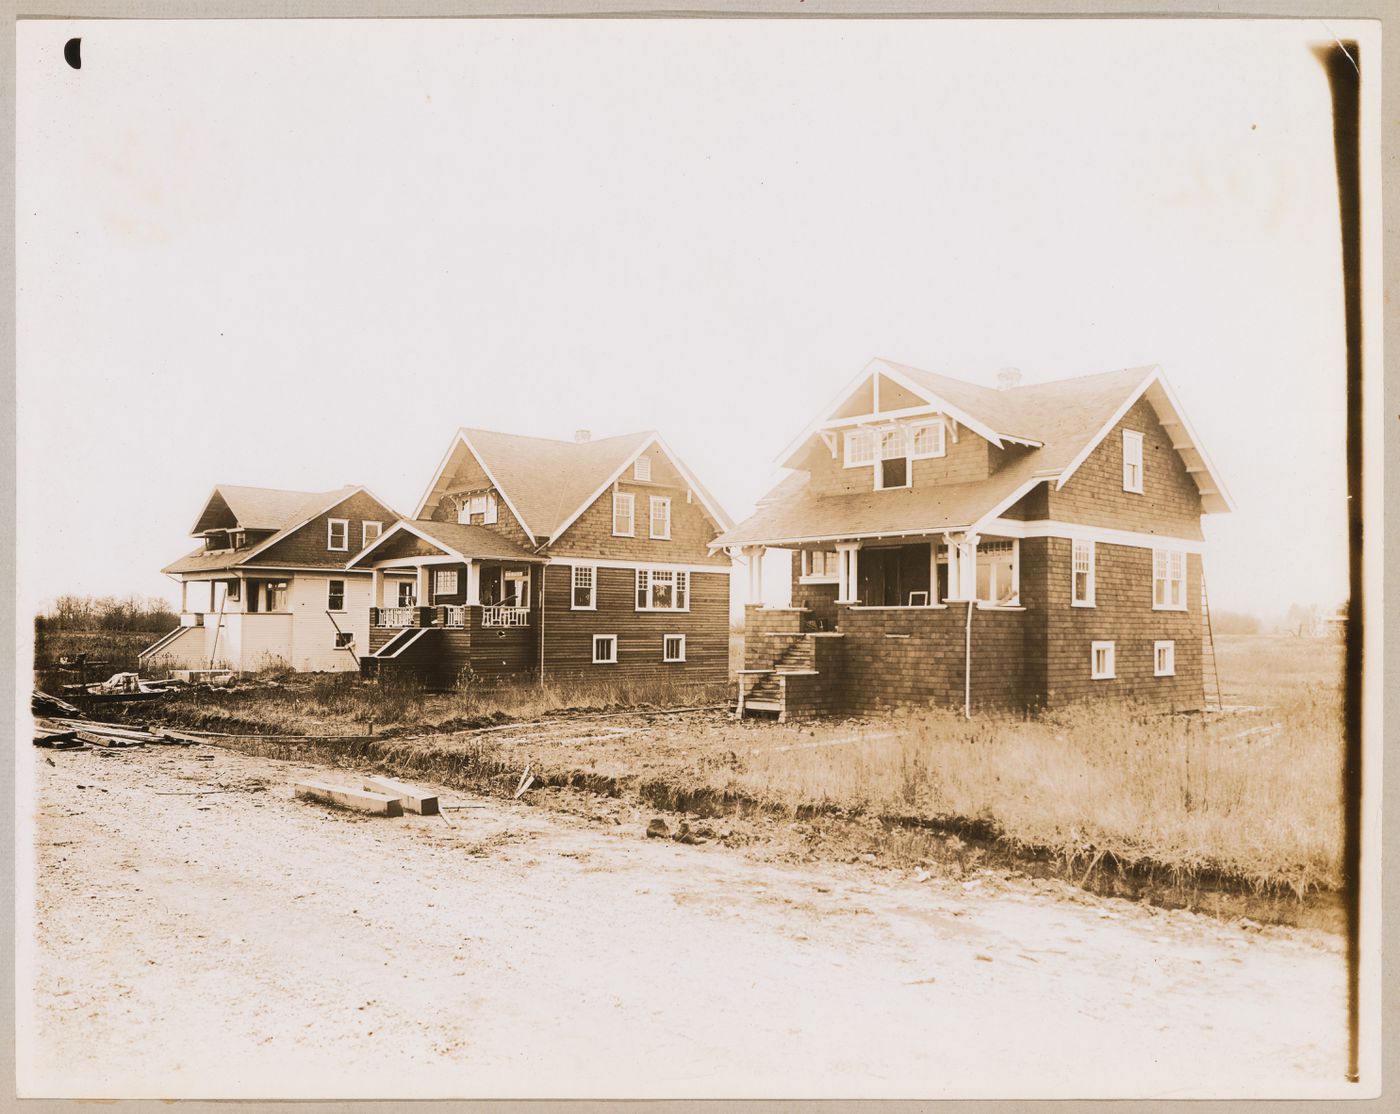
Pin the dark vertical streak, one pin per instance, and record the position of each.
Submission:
(1342, 61)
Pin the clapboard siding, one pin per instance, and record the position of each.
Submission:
(568, 634)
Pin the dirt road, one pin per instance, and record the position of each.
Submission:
(245, 944)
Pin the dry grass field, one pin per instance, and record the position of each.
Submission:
(1248, 798)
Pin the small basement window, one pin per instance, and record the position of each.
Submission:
(1164, 659)
(344, 639)
(604, 649)
(335, 595)
(673, 647)
(1101, 661)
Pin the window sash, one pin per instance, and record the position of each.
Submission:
(445, 582)
(623, 516)
(338, 533)
(335, 595)
(584, 586)
(1168, 580)
(663, 590)
(365, 536)
(1132, 461)
(1082, 578)
(661, 517)
(928, 440)
(860, 447)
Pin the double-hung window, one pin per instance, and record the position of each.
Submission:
(338, 533)
(335, 595)
(1082, 593)
(370, 531)
(660, 517)
(1168, 580)
(663, 590)
(1132, 461)
(893, 469)
(584, 588)
(622, 514)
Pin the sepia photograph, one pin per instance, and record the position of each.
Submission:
(689, 557)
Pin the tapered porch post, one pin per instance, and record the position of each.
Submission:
(968, 567)
(846, 571)
(376, 596)
(473, 583)
(423, 584)
(184, 595)
(954, 567)
(755, 555)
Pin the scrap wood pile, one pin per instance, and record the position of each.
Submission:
(60, 726)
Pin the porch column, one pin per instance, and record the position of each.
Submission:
(424, 581)
(954, 568)
(376, 596)
(967, 567)
(184, 595)
(755, 555)
(473, 583)
(933, 571)
(846, 571)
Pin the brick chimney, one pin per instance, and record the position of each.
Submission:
(582, 435)
(1008, 377)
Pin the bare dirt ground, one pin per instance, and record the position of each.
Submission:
(242, 943)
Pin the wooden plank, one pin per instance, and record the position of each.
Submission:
(347, 796)
(412, 798)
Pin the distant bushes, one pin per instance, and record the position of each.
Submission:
(105, 613)
(1235, 622)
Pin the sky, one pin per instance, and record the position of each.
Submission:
(301, 253)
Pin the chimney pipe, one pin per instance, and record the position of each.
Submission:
(582, 435)
(1008, 377)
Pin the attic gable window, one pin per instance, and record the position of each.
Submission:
(480, 508)
(623, 526)
(860, 448)
(338, 534)
(1132, 461)
(893, 469)
(641, 470)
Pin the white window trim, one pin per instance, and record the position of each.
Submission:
(1090, 586)
(335, 610)
(850, 438)
(648, 574)
(439, 591)
(809, 577)
(592, 605)
(1134, 438)
(365, 539)
(331, 524)
(491, 515)
(665, 638)
(880, 459)
(605, 661)
(348, 644)
(1169, 645)
(659, 501)
(1167, 556)
(942, 449)
(1094, 674)
(625, 498)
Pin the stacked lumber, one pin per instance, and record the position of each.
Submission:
(111, 735)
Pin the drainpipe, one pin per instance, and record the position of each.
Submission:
(967, 665)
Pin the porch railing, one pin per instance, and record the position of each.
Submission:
(398, 616)
(455, 615)
(501, 615)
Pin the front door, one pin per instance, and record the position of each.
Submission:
(515, 588)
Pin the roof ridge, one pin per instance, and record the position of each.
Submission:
(557, 440)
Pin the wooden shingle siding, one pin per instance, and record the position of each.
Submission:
(969, 458)
(691, 526)
(1170, 503)
(568, 634)
(307, 546)
(468, 473)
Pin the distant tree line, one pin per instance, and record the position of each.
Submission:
(130, 613)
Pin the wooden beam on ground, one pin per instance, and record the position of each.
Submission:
(411, 797)
(347, 796)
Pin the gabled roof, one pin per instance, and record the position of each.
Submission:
(452, 539)
(1063, 421)
(548, 483)
(260, 508)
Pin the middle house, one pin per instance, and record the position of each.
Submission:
(565, 560)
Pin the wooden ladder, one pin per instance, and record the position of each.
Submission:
(1208, 659)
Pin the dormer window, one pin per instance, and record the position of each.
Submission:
(479, 508)
(860, 448)
(893, 469)
(928, 441)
